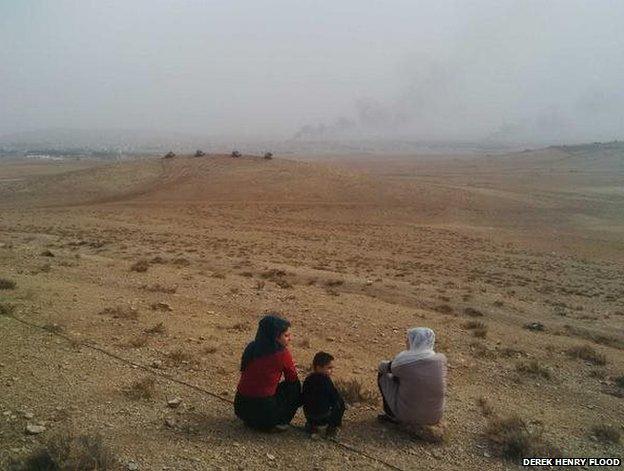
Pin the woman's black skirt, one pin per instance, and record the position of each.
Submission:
(264, 413)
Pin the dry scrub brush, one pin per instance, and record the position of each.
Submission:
(53, 328)
(158, 288)
(66, 452)
(533, 368)
(156, 329)
(179, 357)
(138, 341)
(606, 433)
(141, 389)
(479, 329)
(587, 353)
(353, 391)
(511, 438)
(485, 406)
(120, 312)
(7, 284)
(209, 349)
(595, 337)
(140, 266)
(472, 312)
(6, 309)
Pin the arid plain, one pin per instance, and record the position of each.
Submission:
(515, 260)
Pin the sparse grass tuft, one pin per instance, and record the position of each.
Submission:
(53, 328)
(141, 389)
(277, 276)
(209, 350)
(156, 329)
(474, 325)
(6, 309)
(138, 341)
(181, 262)
(7, 284)
(472, 312)
(479, 329)
(486, 408)
(606, 433)
(160, 306)
(619, 381)
(69, 453)
(179, 356)
(334, 283)
(120, 312)
(158, 288)
(512, 439)
(601, 339)
(533, 368)
(427, 433)
(480, 350)
(587, 353)
(444, 309)
(480, 333)
(509, 352)
(140, 266)
(284, 284)
(240, 326)
(353, 391)
(598, 373)
(272, 274)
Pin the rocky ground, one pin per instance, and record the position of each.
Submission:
(141, 283)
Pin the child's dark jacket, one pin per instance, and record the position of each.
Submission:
(320, 396)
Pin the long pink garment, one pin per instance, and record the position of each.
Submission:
(418, 396)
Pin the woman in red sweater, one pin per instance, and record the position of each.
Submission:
(262, 401)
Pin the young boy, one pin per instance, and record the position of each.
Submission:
(322, 403)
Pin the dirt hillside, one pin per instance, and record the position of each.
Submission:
(155, 273)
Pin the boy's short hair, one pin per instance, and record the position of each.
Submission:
(322, 359)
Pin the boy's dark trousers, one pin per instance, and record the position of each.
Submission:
(332, 418)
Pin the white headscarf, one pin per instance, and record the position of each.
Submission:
(421, 341)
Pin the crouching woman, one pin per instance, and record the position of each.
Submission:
(413, 384)
(263, 401)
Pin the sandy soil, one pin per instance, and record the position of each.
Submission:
(353, 251)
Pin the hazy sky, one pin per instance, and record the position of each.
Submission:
(544, 70)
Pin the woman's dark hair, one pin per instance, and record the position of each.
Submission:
(270, 328)
(322, 359)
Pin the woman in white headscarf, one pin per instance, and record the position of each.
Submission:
(413, 384)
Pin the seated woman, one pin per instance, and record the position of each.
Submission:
(413, 384)
(262, 401)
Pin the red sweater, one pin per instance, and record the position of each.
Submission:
(262, 375)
